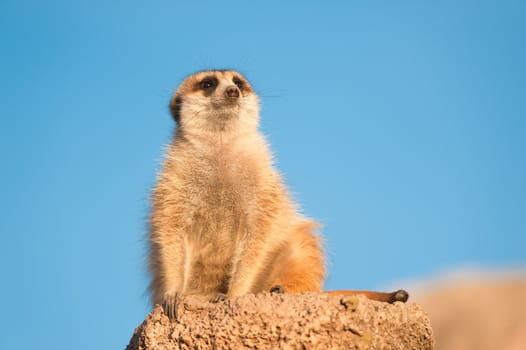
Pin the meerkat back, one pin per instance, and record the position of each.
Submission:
(222, 222)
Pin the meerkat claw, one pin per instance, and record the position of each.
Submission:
(277, 289)
(219, 297)
(170, 304)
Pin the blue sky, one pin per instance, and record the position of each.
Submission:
(401, 126)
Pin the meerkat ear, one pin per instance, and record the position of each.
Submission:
(175, 107)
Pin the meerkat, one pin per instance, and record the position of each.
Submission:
(222, 223)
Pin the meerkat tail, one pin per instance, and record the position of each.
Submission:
(399, 295)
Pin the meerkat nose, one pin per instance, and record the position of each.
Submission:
(232, 92)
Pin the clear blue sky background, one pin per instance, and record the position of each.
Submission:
(400, 125)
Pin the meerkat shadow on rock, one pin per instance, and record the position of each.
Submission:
(222, 222)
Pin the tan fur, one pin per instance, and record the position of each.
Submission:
(222, 220)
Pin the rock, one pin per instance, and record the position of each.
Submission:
(478, 314)
(286, 321)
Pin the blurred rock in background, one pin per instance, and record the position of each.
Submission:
(476, 309)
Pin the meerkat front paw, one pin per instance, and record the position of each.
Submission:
(170, 303)
(219, 297)
(277, 289)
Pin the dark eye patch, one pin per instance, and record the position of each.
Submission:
(208, 83)
(239, 83)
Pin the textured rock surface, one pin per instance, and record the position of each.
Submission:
(287, 321)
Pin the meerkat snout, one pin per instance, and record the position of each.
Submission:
(232, 92)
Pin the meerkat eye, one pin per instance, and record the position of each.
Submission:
(238, 83)
(207, 84)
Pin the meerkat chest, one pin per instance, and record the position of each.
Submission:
(230, 180)
(220, 190)
(228, 172)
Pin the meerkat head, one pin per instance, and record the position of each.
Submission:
(215, 100)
